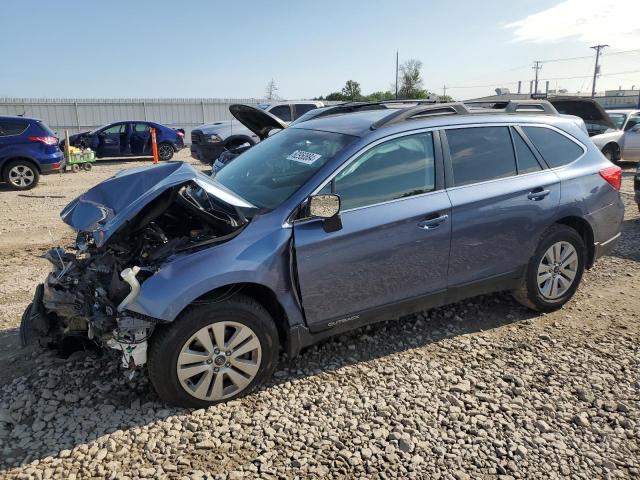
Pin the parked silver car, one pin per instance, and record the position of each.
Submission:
(624, 143)
(210, 140)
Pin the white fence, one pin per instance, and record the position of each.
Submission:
(82, 114)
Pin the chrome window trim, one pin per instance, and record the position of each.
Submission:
(519, 124)
(356, 155)
(288, 224)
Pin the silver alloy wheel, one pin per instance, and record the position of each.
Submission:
(219, 360)
(557, 270)
(21, 176)
(165, 151)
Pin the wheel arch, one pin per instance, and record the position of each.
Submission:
(616, 149)
(262, 294)
(238, 138)
(6, 161)
(583, 227)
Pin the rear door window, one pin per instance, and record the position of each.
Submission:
(12, 127)
(556, 149)
(527, 161)
(283, 112)
(479, 154)
(115, 129)
(141, 127)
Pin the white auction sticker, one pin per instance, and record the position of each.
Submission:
(304, 157)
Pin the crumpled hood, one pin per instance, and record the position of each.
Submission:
(105, 208)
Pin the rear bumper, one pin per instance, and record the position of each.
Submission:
(206, 153)
(52, 163)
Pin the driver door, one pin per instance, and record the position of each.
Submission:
(394, 241)
(109, 140)
(631, 140)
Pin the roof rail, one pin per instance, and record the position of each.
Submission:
(422, 111)
(467, 108)
(517, 106)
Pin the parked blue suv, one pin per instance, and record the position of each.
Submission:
(28, 148)
(323, 227)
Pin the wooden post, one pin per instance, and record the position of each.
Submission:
(154, 146)
(67, 150)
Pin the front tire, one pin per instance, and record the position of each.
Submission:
(21, 175)
(611, 154)
(213, 353)
(165, 152)
(555, 270)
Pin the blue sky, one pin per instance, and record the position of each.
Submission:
(232, 49)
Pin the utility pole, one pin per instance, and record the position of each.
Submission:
(596, 69)
(444, 90)
(537, 65)
(396, 74)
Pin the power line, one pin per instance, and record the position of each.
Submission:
(551, 60)
(498, 84)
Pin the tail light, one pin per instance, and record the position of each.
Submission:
(45, 140)
(613, 176)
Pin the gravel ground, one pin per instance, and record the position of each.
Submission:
(480, 389)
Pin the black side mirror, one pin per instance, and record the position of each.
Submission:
(327, 207)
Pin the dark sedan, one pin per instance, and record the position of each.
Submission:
(130, 138)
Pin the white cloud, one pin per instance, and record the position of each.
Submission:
(616, 23)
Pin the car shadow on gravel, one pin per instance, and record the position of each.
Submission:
(62, 403)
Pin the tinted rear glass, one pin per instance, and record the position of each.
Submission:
(283, 112)
(555, 148)
(12, 127)
(526, 159)
(480, 154)
(46, 129)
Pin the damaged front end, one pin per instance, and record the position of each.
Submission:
(128, 227)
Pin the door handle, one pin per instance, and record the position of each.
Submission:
(538, 194)
(431, 223)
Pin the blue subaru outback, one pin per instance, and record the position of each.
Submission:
(28, 148)
(323, 227)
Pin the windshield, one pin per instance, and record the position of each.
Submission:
(267, 174)
(618, 119)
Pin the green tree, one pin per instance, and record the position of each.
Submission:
(380, 96)
(335, 96)
(445, 98)
(351, 91)
(411, 80)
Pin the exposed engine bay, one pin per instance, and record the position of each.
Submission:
(82, 303)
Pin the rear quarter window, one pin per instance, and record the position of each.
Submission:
(12, 127)
(556, 149)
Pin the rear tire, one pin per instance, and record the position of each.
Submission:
(165, 152)
(21, 175)
(555, 270)
(192, 364)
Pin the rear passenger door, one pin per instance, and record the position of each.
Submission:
(502, 200)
